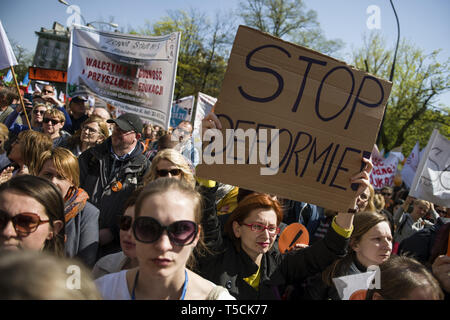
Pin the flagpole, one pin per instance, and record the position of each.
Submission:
(20, 97)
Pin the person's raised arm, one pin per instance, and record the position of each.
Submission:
(345, 219)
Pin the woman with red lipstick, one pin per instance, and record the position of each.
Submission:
(167, 230)
(370, 245)
(250, 266)
(125, 259)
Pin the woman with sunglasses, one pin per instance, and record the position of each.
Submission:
(60, 167)
(92, 132)
(53, 124)
(170, 163)
(125, 259)
(251, 267)
(31, 215)
(167, 231)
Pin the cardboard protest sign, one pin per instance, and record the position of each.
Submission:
(384, 169)
(132, 73)
(322, 114)
(181, 110)
(432, 179)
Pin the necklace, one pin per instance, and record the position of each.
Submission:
(183, 292)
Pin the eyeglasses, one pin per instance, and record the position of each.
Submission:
(24, 223)
(165, 173)
(386, 194)
(258, 227)
(125, 222)
(38, 111)
(89, 130)
(149, 230)
(53, 121)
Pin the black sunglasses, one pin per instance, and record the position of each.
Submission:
(149, 230)
(165, 173)
(125, 222)
(54, 121)
(24, 223)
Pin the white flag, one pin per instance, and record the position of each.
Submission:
(410, 167)
(347, 285)
(7, 57)
(432, 179)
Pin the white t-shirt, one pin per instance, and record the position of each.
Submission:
(114, 286)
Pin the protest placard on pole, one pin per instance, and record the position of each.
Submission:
(325, 115)
(132, 73)
(181, 110)
(432, 179)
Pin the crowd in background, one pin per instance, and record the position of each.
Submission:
(120, 199)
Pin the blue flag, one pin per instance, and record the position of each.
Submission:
(8, 77)
(25, 80)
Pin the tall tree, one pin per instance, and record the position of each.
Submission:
(289, 20)
(419, 79)
(203, 47)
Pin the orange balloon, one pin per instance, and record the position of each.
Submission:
(293, 234)
(359, 295)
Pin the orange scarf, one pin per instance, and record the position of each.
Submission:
(74, 202)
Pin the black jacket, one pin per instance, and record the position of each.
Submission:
(100, 170)
(229, 266)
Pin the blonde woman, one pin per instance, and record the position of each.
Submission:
(167, 231)
(170, 163)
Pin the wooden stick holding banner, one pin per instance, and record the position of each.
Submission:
(20, 97)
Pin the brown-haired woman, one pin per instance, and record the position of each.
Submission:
(370, 245)
(31, 215)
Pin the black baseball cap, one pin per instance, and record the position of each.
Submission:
(128, 122)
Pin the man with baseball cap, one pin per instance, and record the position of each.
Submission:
(110, 172)
(78, 110)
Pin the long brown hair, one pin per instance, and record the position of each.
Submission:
(362, 223)
(49, 197)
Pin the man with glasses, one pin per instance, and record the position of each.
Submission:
(110, 172)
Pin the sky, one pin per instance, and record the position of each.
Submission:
(425, 23)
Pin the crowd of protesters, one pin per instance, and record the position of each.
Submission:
(120, 199)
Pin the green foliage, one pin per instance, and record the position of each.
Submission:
(289, 20)
(202, 57)
(419, 79)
